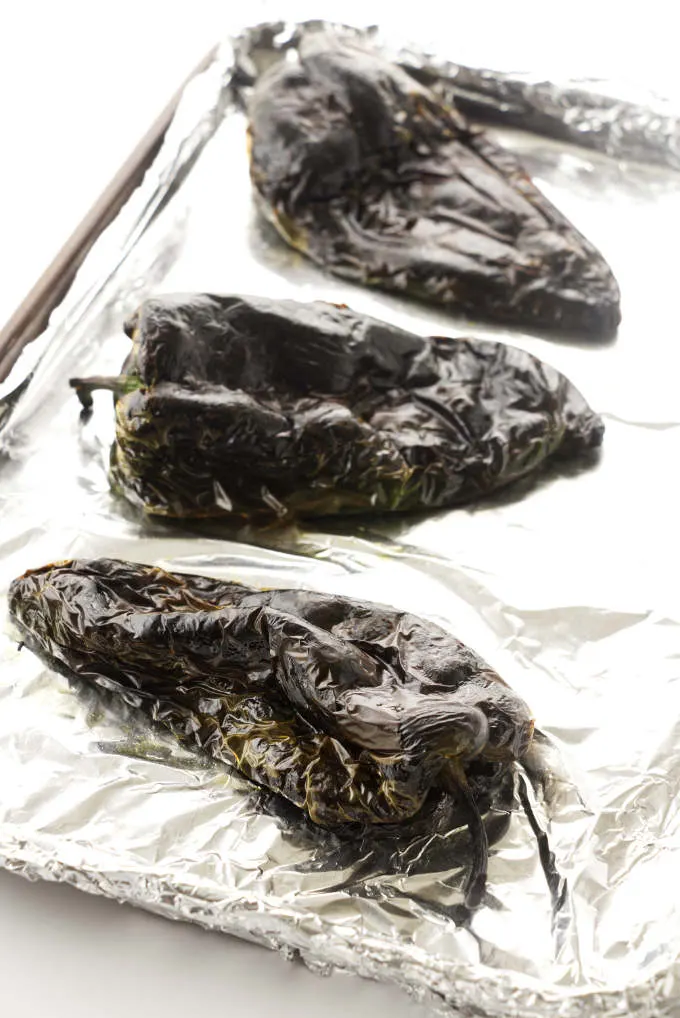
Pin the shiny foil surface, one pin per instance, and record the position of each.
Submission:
(567, 586)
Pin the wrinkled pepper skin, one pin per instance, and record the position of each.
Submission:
(248, 407)
(353, 711)
(376, 178)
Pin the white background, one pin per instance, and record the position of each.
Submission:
(79, 85)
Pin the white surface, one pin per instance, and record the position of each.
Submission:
(79, 84)
(65, 953)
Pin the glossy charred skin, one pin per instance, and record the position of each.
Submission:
(352, 711)
(249, 407)
(377, 179)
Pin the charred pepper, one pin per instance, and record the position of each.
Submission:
(379, 179)
(352, 711)
(248, 407)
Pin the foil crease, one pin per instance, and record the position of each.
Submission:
(567, 587)
(622, 121)
(583, 113)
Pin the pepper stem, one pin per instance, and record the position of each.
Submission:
(118, 384)
(476, 882)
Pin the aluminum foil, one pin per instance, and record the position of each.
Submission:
(584, 113)
(567, 587)
(624, 121)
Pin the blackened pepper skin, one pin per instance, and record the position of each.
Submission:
(248, 407)
(376, 178)
(352, 711)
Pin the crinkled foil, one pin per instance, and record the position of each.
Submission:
(623, 121)
(568, 587)
(583, 113)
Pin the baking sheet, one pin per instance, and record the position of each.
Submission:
(567, 588)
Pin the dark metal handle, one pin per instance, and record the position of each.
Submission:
(32, 315)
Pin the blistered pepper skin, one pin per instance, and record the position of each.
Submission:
(248, 407)
(351, 710)
(378, 179)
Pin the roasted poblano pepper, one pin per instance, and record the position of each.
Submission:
(245, 406)
(378, 179)
(353, 711)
